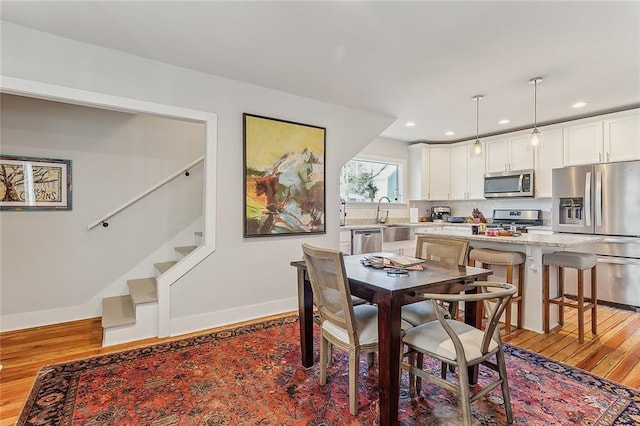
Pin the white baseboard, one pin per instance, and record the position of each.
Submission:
(48, 317)
(201, 322)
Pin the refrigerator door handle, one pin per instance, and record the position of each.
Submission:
(587, 199)
(598, 199)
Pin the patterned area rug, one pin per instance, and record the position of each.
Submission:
(253, 376)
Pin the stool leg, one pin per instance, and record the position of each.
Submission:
(520, 295)
(545, 298)
(581, 306)
(507, 314)
(561, 295)
(594, 301)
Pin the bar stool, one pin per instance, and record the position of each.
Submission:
(509, 259)
(581, 262)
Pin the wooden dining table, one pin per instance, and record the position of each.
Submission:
(389, 293)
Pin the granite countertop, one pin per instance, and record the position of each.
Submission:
(418, 224)
(552, 240)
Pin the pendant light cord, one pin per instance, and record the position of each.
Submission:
(535, 104)
(477, 117)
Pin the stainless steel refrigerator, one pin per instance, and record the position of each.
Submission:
(604, 199)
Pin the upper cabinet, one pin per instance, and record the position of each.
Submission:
(614, 137)
(428, 172)
(509, 153)
(547, 159)
(583, 143)
(622, 137)
(448, 172)
(466, 174)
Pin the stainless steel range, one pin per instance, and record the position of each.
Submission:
(515, 220)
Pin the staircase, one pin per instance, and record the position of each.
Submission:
(134, 316)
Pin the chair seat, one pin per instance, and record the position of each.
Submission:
(497, 257)
(421, 312)
(569, 259)
(431, 338)
(366, 317)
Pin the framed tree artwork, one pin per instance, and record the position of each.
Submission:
(28, 183)
(284, 185)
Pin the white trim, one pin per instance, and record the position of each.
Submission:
(195, 323)
(36, 89)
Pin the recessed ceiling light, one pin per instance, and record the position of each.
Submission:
(450, 133)
(409, 124)
(579, 104)
(504, 121)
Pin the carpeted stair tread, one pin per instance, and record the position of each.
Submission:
(185, 250)
(164, 266)
(117, 311)
(142, 290)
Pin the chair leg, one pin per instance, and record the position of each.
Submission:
(520, 303)
(507, 312)
(465, 396)
(354, 372)
(419, 365)
(594, 300)
(581, 306)
(561, 294)
(545, 298)
(502, 371)
(324, 348)
(411, 359)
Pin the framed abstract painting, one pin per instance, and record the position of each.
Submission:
(28, 183)
(284, 185)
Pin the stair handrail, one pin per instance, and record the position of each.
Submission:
(103, 220)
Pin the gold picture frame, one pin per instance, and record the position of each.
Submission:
(28, 183)
(284, 185)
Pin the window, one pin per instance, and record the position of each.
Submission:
(369, 181)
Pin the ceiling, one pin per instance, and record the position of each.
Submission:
(416, 61)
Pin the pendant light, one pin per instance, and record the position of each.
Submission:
(476, 148)
(535, 138)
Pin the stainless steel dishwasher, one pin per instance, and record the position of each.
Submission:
(367, 240)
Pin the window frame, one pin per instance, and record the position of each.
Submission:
(401, 165)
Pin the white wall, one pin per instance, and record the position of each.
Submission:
(244, 278)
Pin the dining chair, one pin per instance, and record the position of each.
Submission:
(353, 329)
(459, 344)
(436, 249)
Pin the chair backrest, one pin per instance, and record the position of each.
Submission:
(443, 250)
(499, 294)
(331, 292)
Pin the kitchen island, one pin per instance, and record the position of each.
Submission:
(533, 246)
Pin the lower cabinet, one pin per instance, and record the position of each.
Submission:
(345, 242)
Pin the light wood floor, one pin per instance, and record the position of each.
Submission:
(614, 353)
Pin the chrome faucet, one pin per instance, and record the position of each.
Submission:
(378, 220)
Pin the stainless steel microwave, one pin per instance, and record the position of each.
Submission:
(517, 183)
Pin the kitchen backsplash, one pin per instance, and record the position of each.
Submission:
(365, 213)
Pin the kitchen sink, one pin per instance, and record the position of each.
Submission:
(397, 233)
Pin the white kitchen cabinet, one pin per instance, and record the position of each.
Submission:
(604, 139)
(428, 172)
(439, 179)
(509, 153)
(457, 229)
(466, 174)
(345, 242)
(418, 171)
(583, 143)
(547, 159)
(622, 137)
